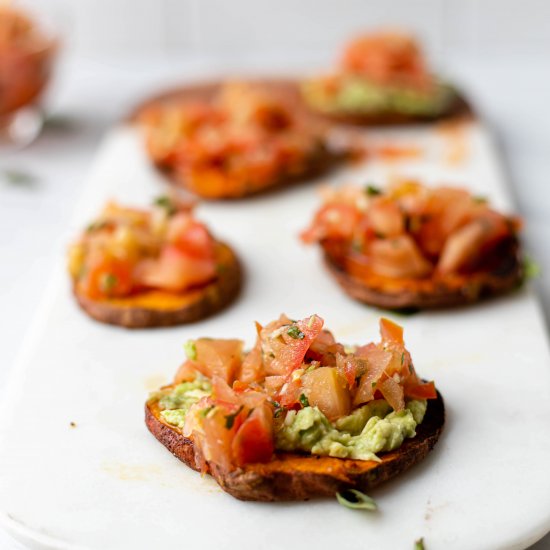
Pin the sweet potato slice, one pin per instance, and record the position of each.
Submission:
(157, 308)
(502, 273)
(301, 477)
(322, 160)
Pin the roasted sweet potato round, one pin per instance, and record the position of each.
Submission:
(302, 477)
(215, 184)
(159, 308)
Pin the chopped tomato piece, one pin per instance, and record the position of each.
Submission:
(252, 366)
(186, 372)
(378, 360)
(333, 221)
(175, 270)
(218, 357)
(324, 349)
(253, 441)
(108, 279)
(218, 430)
(190, 236)
(327, 389)
(285, 347)
(393, 393)
(422, 391)
(391, 332)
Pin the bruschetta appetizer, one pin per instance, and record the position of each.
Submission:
(416, 247)
(234, 139)
(299, 415)
(151, 268)
(382, 78)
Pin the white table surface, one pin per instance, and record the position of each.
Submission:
(91, 95)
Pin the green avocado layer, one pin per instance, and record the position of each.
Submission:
(359, 96)
(370, 429)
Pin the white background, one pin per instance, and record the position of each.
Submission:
(111, 27)
(118, 50)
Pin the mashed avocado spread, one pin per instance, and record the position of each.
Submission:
(175, 403)
(368, 430)
(359, 96)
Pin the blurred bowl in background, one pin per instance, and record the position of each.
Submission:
(28, 47)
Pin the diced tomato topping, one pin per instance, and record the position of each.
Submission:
(290, 343)
(109, 278)
(253, 441)
(234, 425)
(391, 332)
(422, 391)
(186, 372)
(332, 221)
(190, 236)
(219, 358)
(324, 349)
(393, 393)
(175, 270)
(252, 366)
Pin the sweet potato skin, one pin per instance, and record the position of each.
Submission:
(502, 277)
(162, 309)
(302, 477)
(323, 160)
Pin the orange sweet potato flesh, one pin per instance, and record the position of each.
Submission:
(503, 273)
(298, 476)
(158, 308)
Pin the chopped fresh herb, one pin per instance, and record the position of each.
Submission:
(351, 498)
(167, 203)
(204, 412)
(531, 268)
(230, 418)
(278, 409)
(108, 282)
(311, 321)
(402, 358)
(419, 544)
(190, 350)
(295, 332)
(18, 177)
(372, 190)
(480, 199)
(356, 245)
(304, 401)
(96, 226)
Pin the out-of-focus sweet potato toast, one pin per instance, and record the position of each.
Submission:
(149, 268)
(299, 416)
(383, 78)
(416, 247)
(234, 139)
